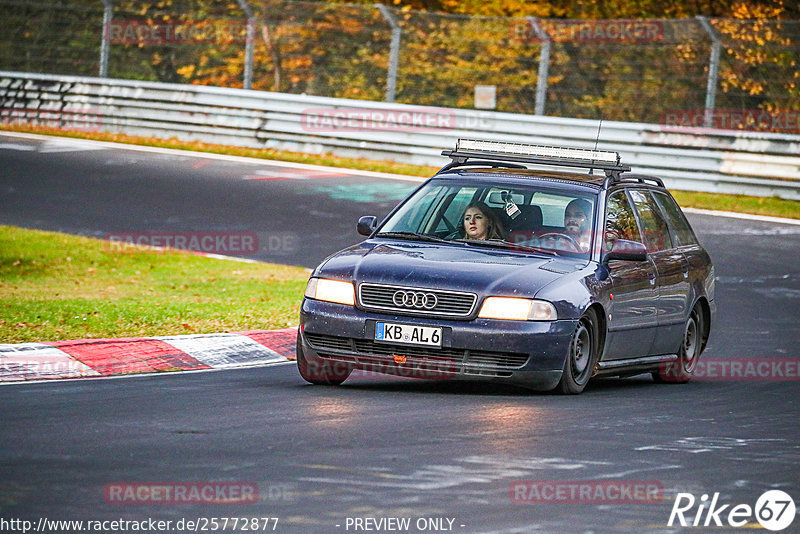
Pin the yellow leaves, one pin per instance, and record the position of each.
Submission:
(298, 62)
(753, 87)
(748, 11)
(503, 8)
(186, 71)
(351, 25)
(731, 81)
(686, 51)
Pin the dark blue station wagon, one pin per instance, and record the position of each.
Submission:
(495, 269)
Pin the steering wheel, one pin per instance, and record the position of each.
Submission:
(559, 235)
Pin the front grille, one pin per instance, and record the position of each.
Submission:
(448, 303)
(330, 342)
(473, 362)
(367, 347)
(498, 359)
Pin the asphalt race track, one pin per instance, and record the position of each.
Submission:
(446, 456)
(299, 216)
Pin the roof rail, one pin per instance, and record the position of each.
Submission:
(493, 164)
(633, 178)
(467, 149)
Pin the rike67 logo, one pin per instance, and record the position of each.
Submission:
(774, 510)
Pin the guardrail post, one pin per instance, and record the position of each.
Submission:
(713, 71)
(394, 52)
(250, 45)
(544, 65)
(105, 44)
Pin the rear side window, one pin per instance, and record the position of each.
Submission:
(656, 231)
(682, 233)
(620, 221)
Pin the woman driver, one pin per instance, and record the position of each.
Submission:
(480, 222)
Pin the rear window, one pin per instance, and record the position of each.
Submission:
(681, 231)
(656, 232)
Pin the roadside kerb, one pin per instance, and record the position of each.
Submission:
(86, 358)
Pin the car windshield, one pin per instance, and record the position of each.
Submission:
(522, 217)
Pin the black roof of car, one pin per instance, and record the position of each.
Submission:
(476, 157)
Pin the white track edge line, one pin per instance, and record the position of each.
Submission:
(222, 157)
(745, 216)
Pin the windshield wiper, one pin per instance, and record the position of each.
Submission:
(413, 235)
(467, 241)
(507, 245)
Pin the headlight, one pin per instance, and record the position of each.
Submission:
(517, 309)
(331, 291)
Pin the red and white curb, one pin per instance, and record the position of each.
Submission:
(109, 357)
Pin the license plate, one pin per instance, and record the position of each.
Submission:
(408, 334)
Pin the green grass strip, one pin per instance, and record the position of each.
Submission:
(55, 286)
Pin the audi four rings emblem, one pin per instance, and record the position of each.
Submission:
(415, 299)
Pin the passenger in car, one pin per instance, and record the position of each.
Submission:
(480, 222)
(577, 218)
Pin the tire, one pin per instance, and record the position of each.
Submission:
(681, 371)
(320, 373)
(583, 355)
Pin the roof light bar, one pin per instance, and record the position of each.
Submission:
(467, 146)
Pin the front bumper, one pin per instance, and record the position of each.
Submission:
(525, 353)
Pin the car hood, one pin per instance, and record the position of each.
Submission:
(455, 267)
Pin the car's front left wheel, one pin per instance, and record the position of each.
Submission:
(582, 357)
(682, 370)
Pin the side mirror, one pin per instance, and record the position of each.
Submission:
(626, 251)
(366, 225)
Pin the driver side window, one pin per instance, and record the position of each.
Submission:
(620, 221)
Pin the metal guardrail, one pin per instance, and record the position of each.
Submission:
(751, 163)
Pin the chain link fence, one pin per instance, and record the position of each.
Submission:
(717, 73)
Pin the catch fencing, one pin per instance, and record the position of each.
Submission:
(719, 73)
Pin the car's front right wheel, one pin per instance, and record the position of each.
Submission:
(582, 357)
(324, 373)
